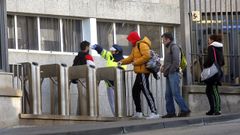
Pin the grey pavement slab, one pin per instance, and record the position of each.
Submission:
(106, 128)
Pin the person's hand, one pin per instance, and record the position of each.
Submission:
(119, 63)
(161, 69)
(94, 46)
(98, 48)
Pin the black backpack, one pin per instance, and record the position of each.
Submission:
(80, 59)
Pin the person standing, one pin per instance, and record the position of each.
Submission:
(139, 56)
(215, 53)
(114, 55)
(83, 58)
(170, 70)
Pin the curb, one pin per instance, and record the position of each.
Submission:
(123, 127)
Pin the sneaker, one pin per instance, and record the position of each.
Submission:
(153, 116)
(210, 113)
(184, 114)
(169, 115)
(217, 113)
(138, 115)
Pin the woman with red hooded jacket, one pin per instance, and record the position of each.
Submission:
(139, 56)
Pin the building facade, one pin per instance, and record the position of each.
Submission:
(215, 17)
(49, 32)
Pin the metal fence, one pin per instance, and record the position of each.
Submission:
(157, 88)
(215, 17)
(25, 79)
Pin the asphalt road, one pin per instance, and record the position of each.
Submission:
(223, 128)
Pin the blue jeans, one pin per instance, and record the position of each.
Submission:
(173, 93)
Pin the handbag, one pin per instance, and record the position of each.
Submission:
(211, 71)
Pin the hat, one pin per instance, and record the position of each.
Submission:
(133, 37)
(112, 49)
(116, 47)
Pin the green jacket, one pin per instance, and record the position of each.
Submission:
(107, 55)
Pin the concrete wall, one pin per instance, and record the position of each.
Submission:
(158, 11)
(10, 101)
(198, 102)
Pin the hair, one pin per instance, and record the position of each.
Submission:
(84, 44)
(168, 35)
(217, 38)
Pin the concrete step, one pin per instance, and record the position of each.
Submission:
(57, 127)
(6, 80)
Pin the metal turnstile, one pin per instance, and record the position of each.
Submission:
(29, 75)
(89, 74)
(117, 76)
(58, 74)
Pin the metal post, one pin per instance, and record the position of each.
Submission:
(3, 37)
(35, 86)
(88, 73)
(120, 96)
(60, 72)
(116, 75)
(64, 89)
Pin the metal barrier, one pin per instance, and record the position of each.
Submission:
(58, 72)
(116, 75)
(157, 88)
(91, 100)
(29, 75)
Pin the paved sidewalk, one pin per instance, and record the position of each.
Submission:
(45, 127)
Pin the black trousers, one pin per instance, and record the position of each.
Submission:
(213, 97)
(142, 84)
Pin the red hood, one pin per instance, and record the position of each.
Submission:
(133, 37)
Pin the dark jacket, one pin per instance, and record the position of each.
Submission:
(210, 57)
(171, 59)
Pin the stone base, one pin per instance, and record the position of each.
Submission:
(10, 106)
(198, 102)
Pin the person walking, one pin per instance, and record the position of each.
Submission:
(139, 56)
(170, 70)
(83, 58)
(215, 53)
(114, 55)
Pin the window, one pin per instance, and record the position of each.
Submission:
(153, 32)
(122, 31)
(72, 35)
(50, 37)
(27, 33)
(11, 32)
(105, 34)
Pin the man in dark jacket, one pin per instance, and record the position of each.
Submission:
(170, 70)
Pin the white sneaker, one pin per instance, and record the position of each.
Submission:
(138, 115)
(153, 116)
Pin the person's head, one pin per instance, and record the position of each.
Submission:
(167, 38)
(133, 37)
(84, 46)
(214, 38)
(116, 49)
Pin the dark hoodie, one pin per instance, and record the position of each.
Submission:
(219, 54)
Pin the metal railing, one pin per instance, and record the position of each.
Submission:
(157, 88)
(29, 75)
(216, 17)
